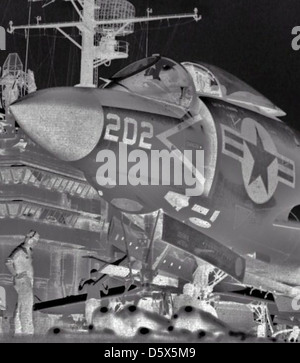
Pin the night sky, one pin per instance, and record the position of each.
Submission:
(249, 38)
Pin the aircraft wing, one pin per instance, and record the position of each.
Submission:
(166, 258)
(123, 271)
(190, 240)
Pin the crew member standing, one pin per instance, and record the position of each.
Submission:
(19, 263)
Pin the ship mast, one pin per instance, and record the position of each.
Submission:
(108, 24)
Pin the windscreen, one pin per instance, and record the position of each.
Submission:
(211, 80)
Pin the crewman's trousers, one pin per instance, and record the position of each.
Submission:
(23, 314)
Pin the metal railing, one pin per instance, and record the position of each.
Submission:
(46, 180)
(48, 215)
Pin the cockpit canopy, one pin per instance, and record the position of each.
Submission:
(163, 79)
(215, 82)
(159, 78)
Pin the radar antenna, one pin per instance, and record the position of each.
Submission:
(100, 22)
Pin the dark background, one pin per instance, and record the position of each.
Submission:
(249, 38)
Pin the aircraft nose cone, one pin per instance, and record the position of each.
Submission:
(67, 122)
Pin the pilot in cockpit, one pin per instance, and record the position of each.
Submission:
(159, 78)
(168, 80)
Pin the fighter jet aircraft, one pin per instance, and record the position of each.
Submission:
(195, 142)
